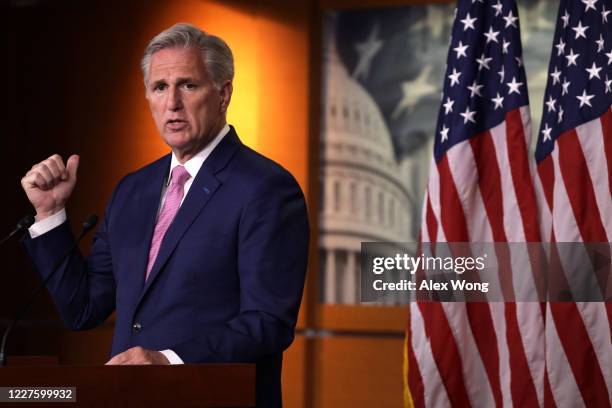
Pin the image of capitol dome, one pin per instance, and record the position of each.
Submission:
(364, 196)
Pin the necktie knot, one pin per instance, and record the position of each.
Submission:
(179, 175)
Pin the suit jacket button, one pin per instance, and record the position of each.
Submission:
(136, 327)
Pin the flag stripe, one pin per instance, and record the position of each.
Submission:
(549, 400)
(414, 379)
(445, 352)
(580, 354)
(523, 389)
(563, 385)
(489, 181)
(597, 325)
(579, 188)
(431, 222)
(546, 171)
(474, 364)
(453, 218)
(591, 139)
(606, 125)
(505, 363)
(434, 390)
(433, 190)
(565, 227)
(517, 121)
(530, 318)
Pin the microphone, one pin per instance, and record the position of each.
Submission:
(24, 223)
(87, 226)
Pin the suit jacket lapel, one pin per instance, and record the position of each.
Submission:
(201, 191)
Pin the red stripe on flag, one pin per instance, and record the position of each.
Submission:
(481, 323)
(415, 381)
(606, 126)
(445, 352)
(546, 171)
(432, 223)
(580, 354)
(519, 167)
(451, 212)
(579, 186)
(489, 181)
(522, 387)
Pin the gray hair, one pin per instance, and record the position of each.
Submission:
(216, 54)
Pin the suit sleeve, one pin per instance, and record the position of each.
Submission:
(82, 289)
(273, 254)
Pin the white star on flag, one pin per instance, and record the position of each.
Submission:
(514, 86)
(502, 74)
(580, 30)
(505, 46)
(590, 4)
(475, 89)
(604, 14)
(461, 50)
(551, 104)
(468, 115)
(468, 22)
(448, 106)
(498, 101)
(483, 62)
(565, 86)
(608, 83)
(491, 35)
(556, 76)
(600, 43)
(510, 20)
(498, 8)
(444, 134)
(585, 99)
(593, 71)
(560, 47)
(454, 77)
(565, 19)
(546, 132)
(571, 58)
(560, 116)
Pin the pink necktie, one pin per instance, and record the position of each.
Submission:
(174, 195)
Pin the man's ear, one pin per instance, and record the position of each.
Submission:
(226, 95)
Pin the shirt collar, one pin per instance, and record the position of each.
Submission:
(194, 164)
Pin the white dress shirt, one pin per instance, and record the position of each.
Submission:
(192, 166)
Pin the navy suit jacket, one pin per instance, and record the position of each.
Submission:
(228, 280)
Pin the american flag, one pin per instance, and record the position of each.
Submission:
(480, 190)
(574, 156)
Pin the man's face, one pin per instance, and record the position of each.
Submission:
(186, 107)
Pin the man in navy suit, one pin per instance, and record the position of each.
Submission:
(203, 252)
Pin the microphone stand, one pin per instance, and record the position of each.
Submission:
(88, 225)
(25, 222)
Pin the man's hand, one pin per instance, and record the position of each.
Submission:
(139, 356)
(49, 184)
